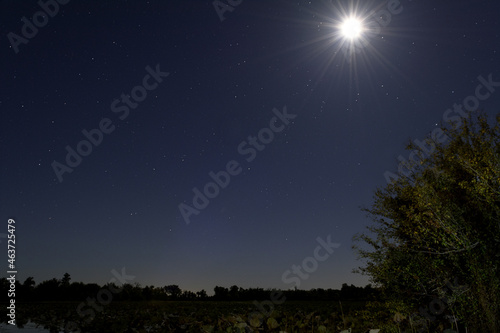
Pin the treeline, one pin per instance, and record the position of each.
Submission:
(65, 290)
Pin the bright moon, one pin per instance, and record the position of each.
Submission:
(351, 28)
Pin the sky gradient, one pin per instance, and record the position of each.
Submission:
(209, 95)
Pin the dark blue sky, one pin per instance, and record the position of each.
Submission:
(119, 207)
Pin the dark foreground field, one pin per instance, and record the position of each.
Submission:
(201, 316)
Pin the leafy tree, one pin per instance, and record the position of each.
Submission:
(188, 295)
(234, 292)
(173, 291)
(147, 292)
(48, 289)
(29, 283)
(221, 293)
(65, 280)
(441, 223)
(77, 291)
(350, 292)
(26, 290)
(202, 294)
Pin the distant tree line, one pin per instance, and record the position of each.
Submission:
(65, 290)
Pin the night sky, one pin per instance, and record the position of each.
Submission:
(302, 122)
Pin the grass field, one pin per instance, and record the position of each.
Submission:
(200, 316)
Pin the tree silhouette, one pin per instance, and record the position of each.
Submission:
(173, 291)
(65, 280)
(234, 292)
(221, 293)
(202, 294)
(63, 290)
(48, 289)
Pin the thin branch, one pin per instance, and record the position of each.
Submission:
(447, 252)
